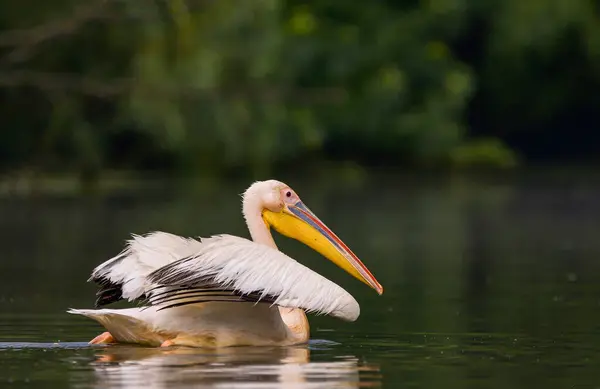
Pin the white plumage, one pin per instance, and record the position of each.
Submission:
(225, 290)
(234, 263)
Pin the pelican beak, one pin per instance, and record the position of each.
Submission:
(298, 222)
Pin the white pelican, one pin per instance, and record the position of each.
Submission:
(225, 290)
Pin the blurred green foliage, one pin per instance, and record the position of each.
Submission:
(211, 86)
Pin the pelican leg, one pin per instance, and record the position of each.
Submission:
(167, 343)
(103, 338)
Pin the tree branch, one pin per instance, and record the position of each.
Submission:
(25, 41)
(107, 89)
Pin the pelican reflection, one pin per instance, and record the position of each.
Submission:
(246, 367)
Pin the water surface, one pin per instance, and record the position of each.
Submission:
(488, 284)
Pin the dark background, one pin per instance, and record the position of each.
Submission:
(214, 88)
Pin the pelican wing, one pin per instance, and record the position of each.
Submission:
(124, 276)
(167, 271)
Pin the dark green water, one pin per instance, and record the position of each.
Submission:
(488, 284)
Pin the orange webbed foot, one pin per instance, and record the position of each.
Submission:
(103, 338)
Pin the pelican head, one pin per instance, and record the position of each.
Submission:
(282, 209)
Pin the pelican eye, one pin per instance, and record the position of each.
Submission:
(288, 194)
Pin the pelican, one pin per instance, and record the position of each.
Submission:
(225, 290)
